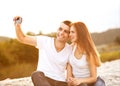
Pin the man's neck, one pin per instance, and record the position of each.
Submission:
(59, 45)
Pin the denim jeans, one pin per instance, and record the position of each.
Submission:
(39, 79)
(99, 82)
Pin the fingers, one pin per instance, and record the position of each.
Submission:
(73, 81)
(70, 81)
(15, 18)
(71, 78)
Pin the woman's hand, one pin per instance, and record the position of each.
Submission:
(74, 81)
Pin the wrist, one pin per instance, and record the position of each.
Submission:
(17, 26)
(81, 81)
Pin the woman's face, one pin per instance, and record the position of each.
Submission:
(73, 34)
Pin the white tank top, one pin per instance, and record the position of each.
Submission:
(80, 66)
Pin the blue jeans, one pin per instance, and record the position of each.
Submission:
(99, 82)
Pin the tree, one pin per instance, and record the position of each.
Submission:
(117, 40)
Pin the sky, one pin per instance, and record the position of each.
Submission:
(46, 15)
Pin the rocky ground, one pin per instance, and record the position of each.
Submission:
(109, 71)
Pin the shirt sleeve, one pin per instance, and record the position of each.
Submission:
(41, 41)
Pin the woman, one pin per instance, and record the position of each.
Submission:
(84, 60)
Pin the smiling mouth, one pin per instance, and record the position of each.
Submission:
(61, 37)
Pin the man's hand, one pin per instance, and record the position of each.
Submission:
(17, 20)
(74, 81)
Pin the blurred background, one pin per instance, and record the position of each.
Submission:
(102, 17)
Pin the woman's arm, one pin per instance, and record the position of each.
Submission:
(93, 75)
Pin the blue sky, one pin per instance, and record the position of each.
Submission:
(46, 15)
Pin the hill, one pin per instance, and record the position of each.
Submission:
(2, 38)
(106, 37)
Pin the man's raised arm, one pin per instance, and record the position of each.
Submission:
(30, 40)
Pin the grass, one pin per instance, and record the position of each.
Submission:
(17, 71)
(109, 56)
(107, 53)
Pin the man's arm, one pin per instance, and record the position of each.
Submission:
(20, 35)
(69, 74)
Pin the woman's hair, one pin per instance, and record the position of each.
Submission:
(85, 42)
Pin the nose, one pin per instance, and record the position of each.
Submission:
(62, 31)
(70, 34)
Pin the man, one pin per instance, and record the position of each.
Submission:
(53, 54)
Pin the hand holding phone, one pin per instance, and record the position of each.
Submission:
(18, 20)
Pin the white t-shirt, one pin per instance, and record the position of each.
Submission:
(80, 66)
(51, 62)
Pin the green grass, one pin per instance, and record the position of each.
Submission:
(109, 56)
(17, 71)
(109, 52)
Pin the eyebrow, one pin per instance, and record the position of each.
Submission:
(67, 31)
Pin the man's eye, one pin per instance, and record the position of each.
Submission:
(66, 31)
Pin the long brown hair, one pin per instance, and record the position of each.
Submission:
(85, 42)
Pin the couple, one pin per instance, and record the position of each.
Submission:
(80, 59)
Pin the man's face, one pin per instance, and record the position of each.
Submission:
(63, 32)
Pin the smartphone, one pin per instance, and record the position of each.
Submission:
(18, 20)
